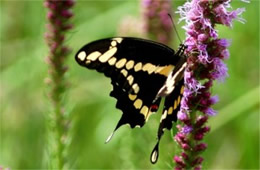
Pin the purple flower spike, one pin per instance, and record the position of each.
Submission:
(157, 22)
(58, 17)
(205, 52)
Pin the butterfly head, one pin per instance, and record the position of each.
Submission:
(181, 50)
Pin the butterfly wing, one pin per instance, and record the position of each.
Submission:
(169, 114)
(138, 69)
(173, 89)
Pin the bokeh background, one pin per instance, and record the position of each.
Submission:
(234, 138)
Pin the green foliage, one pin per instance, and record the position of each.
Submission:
(233, 142)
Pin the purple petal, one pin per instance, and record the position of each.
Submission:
(187, 129)
(225, 54)
(224, 42)
(220, 70)
(209, 111)
(193, 84)
(181, 115)
(203, 37)
(214, 99)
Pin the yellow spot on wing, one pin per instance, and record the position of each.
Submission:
(158, 69)
(124, 72)
(164, 115)
(148, 115)
(107, 55)
(138, 103)
(119, 40)
(82, 55)
(132, 97)
(130, 79)
(175, 104)
(136, 88)
(138, 66)
(93, 56)
(121, 63)
(179, 100)
(170, 110)
(182, 89)
(113, 43)
(144, 111)
(154, 156)
(129, 65)
(165, 70)
(149, 68)
(112, 61)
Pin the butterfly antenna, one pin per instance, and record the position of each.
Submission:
(175, 28)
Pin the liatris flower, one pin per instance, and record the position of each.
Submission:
(206, 53)
(131, 26)
(58, 16)
(157, 22)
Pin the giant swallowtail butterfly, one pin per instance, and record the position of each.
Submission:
(141, 72)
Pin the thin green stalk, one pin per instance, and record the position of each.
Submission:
(58, 16)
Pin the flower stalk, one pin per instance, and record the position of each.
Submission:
(58, 16)
(206, 52)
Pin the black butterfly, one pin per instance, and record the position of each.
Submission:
(141, 72)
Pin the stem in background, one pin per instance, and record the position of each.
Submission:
(58, 17)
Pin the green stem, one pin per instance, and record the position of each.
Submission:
(58, 16)
(191, 154)
(59, 132)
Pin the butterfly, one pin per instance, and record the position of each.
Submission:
(142, 72)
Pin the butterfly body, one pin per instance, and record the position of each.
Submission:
(141, 72)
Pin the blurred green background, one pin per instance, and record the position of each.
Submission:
(233, 141)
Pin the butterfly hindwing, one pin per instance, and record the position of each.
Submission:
(137, 103)
(169, 114)
(171, 107)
